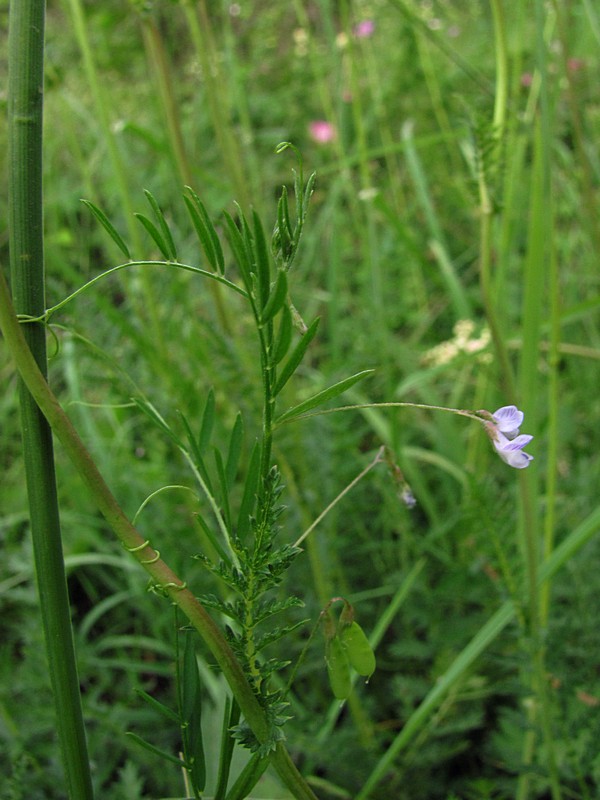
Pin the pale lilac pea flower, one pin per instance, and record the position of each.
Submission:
(504, 433)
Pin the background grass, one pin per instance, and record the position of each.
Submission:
(391, 258)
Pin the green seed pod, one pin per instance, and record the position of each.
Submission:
(358, 650)
(338, 669)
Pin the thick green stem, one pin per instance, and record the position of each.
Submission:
(26, 78)
(164, 579)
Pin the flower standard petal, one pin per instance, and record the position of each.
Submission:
(508, 419)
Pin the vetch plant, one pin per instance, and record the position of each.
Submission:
(356, 256)
(246, 555)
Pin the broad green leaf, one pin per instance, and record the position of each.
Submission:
(323, 397)
(297, 354)
(276, 298)
(162, 224)
(109, 228)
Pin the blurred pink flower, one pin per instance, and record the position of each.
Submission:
(526, 79)
(575, 64)
(364, 29)
(322, 131)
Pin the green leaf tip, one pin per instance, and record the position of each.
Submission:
(323, 396)
(108, 227)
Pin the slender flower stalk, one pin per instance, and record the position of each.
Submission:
(502, 426)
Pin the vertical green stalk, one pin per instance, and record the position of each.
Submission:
(25, 117)
(147, 309)
(486, 209)
(215, 82)
(540, 253)
(101, 107)
(577, 104)
(501, 94)
(158, 62)
(366, 222)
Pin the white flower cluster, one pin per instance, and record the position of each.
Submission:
(463, 342)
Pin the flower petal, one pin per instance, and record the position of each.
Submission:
(511, 452)
(519, 442)
(516, 458)
(508, 419)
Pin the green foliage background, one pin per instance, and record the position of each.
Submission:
(389, 261)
